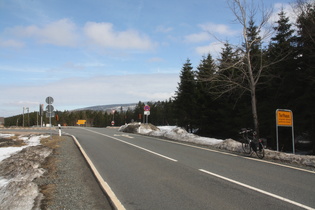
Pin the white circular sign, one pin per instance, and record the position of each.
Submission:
(49, 100)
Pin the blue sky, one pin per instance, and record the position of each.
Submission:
(97, 52)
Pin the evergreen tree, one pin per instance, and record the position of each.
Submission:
(204, 99)
(282, 74)
(185, 99)
(306, 68)
(281, 53)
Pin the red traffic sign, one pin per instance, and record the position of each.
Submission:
(113, 123)
(146, 108)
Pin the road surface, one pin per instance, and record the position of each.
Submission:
(152, 173)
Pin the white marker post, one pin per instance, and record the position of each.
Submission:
(59, 129)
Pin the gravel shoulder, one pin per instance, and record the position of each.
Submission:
(69, 182)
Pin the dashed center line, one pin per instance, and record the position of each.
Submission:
(144, 149)
(124, 135)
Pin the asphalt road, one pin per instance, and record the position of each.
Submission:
(151, 173)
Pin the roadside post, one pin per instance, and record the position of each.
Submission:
(41, 113)
(59, 129)
(284, 118)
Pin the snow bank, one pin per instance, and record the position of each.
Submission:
(179, 134)
(6, 135)
(170, 132)
(19, 166)
(6, 152)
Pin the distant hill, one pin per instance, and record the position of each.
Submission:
(108, 108)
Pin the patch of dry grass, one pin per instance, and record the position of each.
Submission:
(52, 142)
(48, 192)
(48, 189)
(11, 141)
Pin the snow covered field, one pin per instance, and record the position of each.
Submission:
(179, 134)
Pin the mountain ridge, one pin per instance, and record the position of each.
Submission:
(108, 107)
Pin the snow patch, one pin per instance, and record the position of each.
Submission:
(6, 152)
(19, 166)
(6, 135)
(170, 132)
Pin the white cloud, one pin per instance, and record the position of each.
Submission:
(155, 60)
(287, 8)
(11, 43)
(208, 31)
(103, 34)
(214, 49)
(163, 29)
(66, 33)
(61, 33)
(81, 92)
(198, 37)
(218, 29)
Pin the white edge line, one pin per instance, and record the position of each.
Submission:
(258, 190)
(282, 165)
(118, 205)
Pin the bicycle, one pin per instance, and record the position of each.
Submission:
(251, 144)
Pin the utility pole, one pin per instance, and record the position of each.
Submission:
(23, 116)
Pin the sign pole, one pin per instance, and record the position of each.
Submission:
(146, 113)
(293, 146)
(50, 109)
(50, 125)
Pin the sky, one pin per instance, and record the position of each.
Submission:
(99, 52)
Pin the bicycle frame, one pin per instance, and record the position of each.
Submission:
(249, 145)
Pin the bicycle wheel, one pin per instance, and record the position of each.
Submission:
(260, 151)
(246, 147)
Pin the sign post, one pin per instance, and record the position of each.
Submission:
(50, 111)
(146, 109)
(41, 113)
(284, 118)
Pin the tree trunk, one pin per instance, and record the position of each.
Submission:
(254, 110)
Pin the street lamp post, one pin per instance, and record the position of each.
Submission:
(28, 116)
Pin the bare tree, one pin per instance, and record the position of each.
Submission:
(247, 67)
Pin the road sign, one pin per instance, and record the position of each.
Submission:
(50, 114)
(284, 118)
(146, 108)
(81, 122)
(113, 123)
(49, 108)
(146, 112)
(49, 100)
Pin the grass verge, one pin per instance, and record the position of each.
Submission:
(47, 185)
